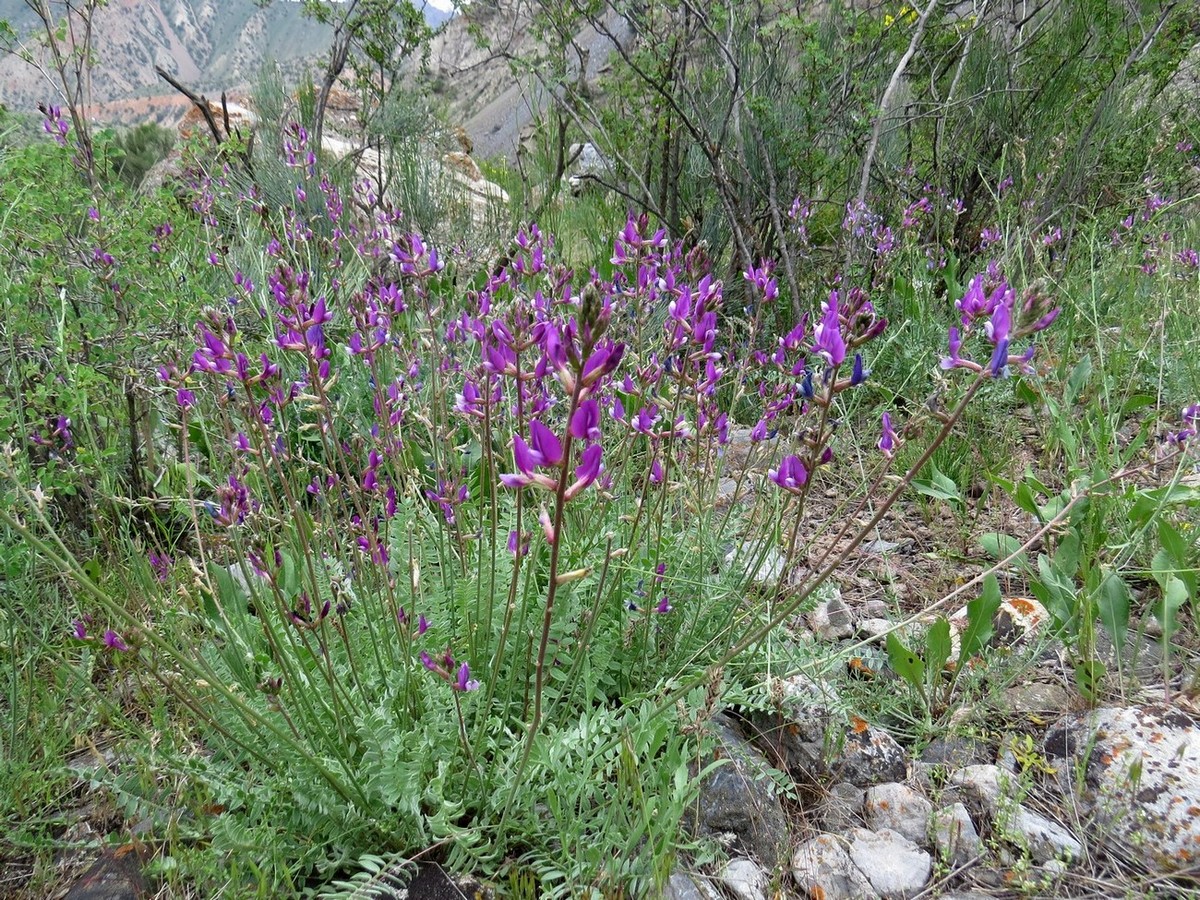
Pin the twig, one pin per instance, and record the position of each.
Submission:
(199, 101)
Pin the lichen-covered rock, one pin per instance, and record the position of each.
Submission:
(1045, 838)
(819, 744)
(843, 808)
(1141, 777)
(736, 799)
(830, 619)
(900, 808)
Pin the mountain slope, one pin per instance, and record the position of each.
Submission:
(209, 45)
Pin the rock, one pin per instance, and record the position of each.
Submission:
(830, 619)
(843, 808)
(868, 755)
(873, 609)
(1141, 777)
(586, 166)
(1046, 839)
(955, 752)
(736, 799)
(954, 835)
(769, 570)
(875, 629)
(895, 866)
(899, 808)
(745, 879)
(823, 869)
(819, 745)
(980, 786)
(1036, 697)
(1140, 658)
(114, 876)
(683, 887)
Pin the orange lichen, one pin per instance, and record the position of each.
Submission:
(859, 725)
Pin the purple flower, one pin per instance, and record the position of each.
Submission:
(422, 625)
(887, 441)
(859, 374)
(161, 564)
(464, 682)
(587, 471)
(427, 662)
(113, 641)
(656, 472)
(951, 361)
(79, 630)
(185, 398)
(585, 423)
(791, 474)
(829, 344)
(664, 605)
(547, 448)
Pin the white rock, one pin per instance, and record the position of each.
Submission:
(954, 835)
(981, 784)
(1045, 838)
(823, 869)
(745, 879)
(830, 619)
(896, 867)
(900, 808)
(875, 629)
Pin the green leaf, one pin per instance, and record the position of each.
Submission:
(1056, 591)
(1089, 676)
(1179, 551)
(1000, 546)
(1066, 557)
(1136, 402)
(1112, 603)
(905, 662)
(1174, 595)
(1078, 380)
(981, 613)
(939, 486)
(937, 647)
(1026, 499)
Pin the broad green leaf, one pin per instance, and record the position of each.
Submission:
(1000, 546)
(937, 647)
(1112, 603)
(1027, 500)
(1180, 552)
(1166, 609)
(1150, 502)
(981, 613)
(1056, 592)
(1066, 556)
(1136, 402)
(905, 662)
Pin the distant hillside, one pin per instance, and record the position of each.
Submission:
(211, 45)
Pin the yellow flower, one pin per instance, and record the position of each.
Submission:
(907, 15)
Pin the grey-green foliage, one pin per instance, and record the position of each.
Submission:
(136, 150)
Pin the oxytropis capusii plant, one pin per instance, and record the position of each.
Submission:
(457, 552)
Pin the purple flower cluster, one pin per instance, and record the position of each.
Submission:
(991, 308)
